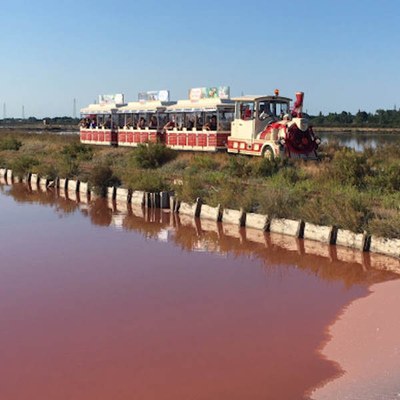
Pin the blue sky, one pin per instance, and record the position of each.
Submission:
(343, 54)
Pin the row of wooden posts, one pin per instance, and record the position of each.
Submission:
(166, 200)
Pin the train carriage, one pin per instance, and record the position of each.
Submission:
(141, 122)
(99, 124)
(203, 125)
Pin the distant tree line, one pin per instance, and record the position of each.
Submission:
(33, 120)
(380, 118)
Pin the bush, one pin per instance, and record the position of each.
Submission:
(77, 151)
(193, 186)
(47, 170)
(148, 181)
(101, 177)
(349, 168)
(238, 166)
(10, 143)
(22, 165)
(153, 155)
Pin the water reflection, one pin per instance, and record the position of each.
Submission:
(361, 140)
(161, 306)
(195, 235)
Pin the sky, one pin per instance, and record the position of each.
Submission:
(343, 54)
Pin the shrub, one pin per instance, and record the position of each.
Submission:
(101, 177)
(153, 155)
(193, 186)
(146, 180)
(386, 223)
(238, 166)
(204, 162)
(349, 168)
(77, 151)
(264, 167)
(22, 165)
(47, 170)
(386, 177)
(10, 143)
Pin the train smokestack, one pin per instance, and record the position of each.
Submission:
(298, 105)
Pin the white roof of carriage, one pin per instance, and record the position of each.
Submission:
(147, 106)
(199, 105)
(259, 97)
(98, 109)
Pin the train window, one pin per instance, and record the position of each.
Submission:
(162, 119)
(199, 121)
(265, 110)
(121, 120)
(153, 121)
(282, 109)
(179, 120)
(210, 121)
(190, 121)
(225, 118)
(247, 110)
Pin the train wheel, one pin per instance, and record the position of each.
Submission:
(268, 153)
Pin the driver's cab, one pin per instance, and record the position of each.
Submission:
(254, 113)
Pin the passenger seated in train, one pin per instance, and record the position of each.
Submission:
(170, 124)
(129, 123)
(153, 122)
(83, 123)
(142, 123)
(211, 125)
(246, 113)
(190, 123)
(93, 123)
(266, 112)
(107, 123)
(199, 124)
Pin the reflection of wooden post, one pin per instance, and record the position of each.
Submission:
(9, 176)
(164, 200)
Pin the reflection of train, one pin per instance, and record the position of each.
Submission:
(253, 125)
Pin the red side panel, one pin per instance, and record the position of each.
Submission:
(153, 137)
(172, 139)
(144, 137)
(122, 137)
(212, 139)
(192, 139)
(182, 137)
(202, 139)
(222, 139)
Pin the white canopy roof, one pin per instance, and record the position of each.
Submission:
(200, 105)
(259, 97)
(98, 109)
(147, 106)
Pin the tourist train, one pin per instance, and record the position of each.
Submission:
(208, 121)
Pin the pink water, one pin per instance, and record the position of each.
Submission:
(100, 304)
